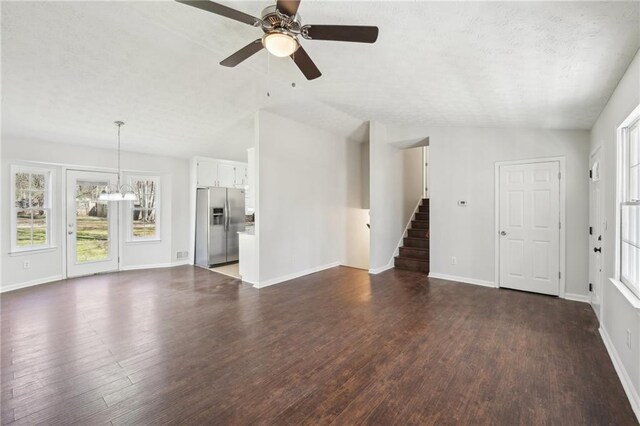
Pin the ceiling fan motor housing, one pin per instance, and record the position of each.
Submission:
(273, 19)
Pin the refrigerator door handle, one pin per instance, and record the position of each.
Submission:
(226, 215)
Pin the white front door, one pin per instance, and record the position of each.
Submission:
(529, 226)
(92, 225)
(595, 233)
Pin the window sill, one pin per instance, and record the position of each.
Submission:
(32, 251)
(154, 241)
(628, 294)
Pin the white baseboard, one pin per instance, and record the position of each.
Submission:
(577, 297)
(627, 384)
(383, 268)
(155, 265)
(31, 283)
(462, 279)
(288, 277)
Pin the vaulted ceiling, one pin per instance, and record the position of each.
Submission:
(71, 68)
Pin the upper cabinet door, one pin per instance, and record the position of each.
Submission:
(226, 175)
(240, 176)
(207, 173)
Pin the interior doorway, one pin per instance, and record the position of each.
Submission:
(595, 231)
(529, 225)
(92, 225)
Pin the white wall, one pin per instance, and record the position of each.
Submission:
(617, 314)
(301, 198)
(462, 164)
(356, 246)
(46, 265)
(395, 191)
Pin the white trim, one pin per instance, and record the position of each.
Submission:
(155, 265)
(288, 277)
(386, 267)
(31, 283)
(577, 297)
(563, 216)
(631, 119)
(627, 384)
(626, 293)
(464, 280)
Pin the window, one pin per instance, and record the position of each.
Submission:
(31, 208)
(145, 212)
(629, 193)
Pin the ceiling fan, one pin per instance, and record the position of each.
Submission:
(282, 27)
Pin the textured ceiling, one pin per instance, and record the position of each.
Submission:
(70, 68)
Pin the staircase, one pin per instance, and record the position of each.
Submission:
(414, 254)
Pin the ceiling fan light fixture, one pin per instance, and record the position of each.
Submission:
(280, 44)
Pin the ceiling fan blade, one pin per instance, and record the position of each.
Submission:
(354, 33)
(242, 54)
(288, 7)
(223, 10)
(306, 65)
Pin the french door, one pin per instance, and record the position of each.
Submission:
(529, 223)
(92, 225)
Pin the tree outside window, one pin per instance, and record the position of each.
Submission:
(144, 214)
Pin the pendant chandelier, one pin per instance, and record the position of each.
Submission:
(118, 192)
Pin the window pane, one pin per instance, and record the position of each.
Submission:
(22, 199)
(634, 146)
(92, 223)
(37, 181)
(144, 223)
(634, 183)
(22, 180)
(146, 192)
(23, 228)
(37, 199)
(39, 230)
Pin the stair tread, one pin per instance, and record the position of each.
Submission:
(418, 238)
(412, 259)
(416, 248)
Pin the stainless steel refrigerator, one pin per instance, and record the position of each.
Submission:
(220, 216)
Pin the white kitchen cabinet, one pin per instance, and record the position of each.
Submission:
(226, 175)
(207, 173)
(240, 176)
(220, 174)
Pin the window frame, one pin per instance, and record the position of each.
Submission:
(130, 238)
(623, 184)
(49, 204)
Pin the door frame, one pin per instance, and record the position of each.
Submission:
(563, 216)
(63, 217)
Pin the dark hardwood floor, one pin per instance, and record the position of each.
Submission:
(189, 346)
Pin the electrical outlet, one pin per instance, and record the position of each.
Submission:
(26, 264)
(454, 261)
(182, 254)
(628, 338)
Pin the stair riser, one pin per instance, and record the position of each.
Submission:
(422, 216)
(412, 253)
(418, 233)
(423, 209)
(422, 243)
(419, 224)
(412, 265)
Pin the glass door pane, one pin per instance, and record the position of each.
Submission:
(92, 223)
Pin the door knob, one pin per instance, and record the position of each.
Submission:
(597, 249)
(503, 233)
